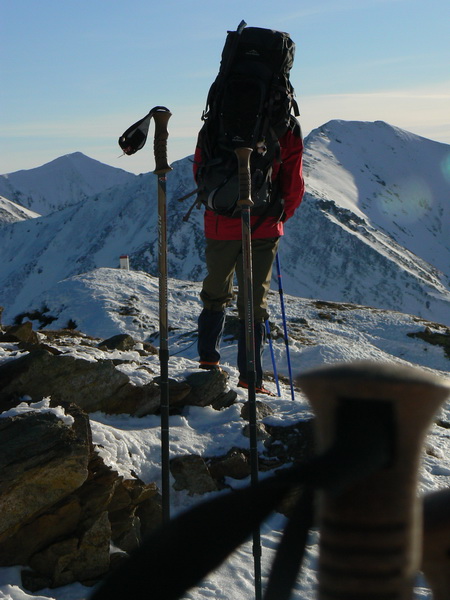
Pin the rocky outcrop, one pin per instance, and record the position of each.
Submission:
(21, 333)
(61, 506)
(91, 385)
(282, 446)
(97, 385)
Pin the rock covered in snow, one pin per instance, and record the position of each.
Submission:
(99, 380)
(61, 506)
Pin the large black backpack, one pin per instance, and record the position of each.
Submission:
(249, 104)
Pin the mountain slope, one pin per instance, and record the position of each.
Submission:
(395, 180)
(360, 236)
(10, 212)
(109, 301)
(105, 302)
(63, 181)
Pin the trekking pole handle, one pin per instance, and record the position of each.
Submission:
(371, 532)
(161, 114)
(436, 542)
(245, 183)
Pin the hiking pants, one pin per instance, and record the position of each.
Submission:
(223, 260)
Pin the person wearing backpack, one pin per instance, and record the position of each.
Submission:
(276, 176)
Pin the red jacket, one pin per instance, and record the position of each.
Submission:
(290, 178)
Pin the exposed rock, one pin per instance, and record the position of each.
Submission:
(262, 410)
(98, 386)
(134, 510)
(148, 348)
(293, 443)
(234, 464)
(91, 385)
(224, 400)
(118, 342)
(21, 333)
(42, 461)
(178, 392)
(261, 433)
(436, 338)
(82, 558)
(210, 388)
(61, 505)
(192, 474)
(47, 371)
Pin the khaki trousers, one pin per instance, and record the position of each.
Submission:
(223, 259)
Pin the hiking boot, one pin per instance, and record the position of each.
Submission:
(259, 390)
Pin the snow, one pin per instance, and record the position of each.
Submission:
(320, 332)
(63, 181)
(365, 264)
(396, 180)
(43, 406)
(11, 212)
(372, 229)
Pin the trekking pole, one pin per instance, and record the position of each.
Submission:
(436, 543)
(283, 315)
(272, 355)
(162, 116)
(245, 202)
(370, 531)
(132, 140)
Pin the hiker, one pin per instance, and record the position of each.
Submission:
(223, 255)
(249, 105)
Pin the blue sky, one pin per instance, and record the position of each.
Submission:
(76, 73)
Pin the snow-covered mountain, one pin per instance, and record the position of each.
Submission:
(371, 229)
(61, 182)
(38, 253)
(10, 212)
(363, 234)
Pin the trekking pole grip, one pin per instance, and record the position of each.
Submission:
(161, 114)
(370, 532)
(245, 183)
(436, 542)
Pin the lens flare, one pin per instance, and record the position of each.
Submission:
(407, 201)
(445, 167)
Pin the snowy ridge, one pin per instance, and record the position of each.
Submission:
(397, 181)
(108, 301)
(373, 240)
(372, 228)
(105, 302)
(10, 212)
(63, 181)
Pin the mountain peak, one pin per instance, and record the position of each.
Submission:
(371, 229)
(63, 181)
